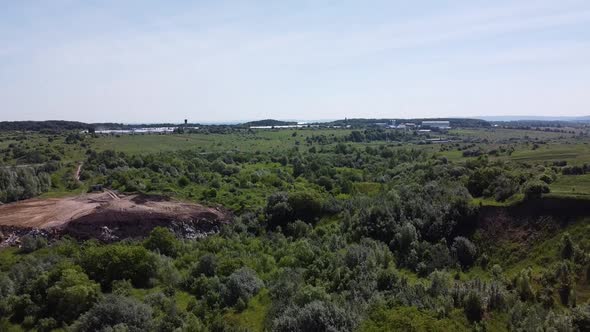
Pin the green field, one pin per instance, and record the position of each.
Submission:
(573, 153)
(259, 140)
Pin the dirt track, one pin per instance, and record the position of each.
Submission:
(107, 216)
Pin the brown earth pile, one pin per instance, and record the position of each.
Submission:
(108, 217)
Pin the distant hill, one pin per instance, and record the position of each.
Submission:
(50, 125)
(269, 122)
(110, 125)
(536, 118)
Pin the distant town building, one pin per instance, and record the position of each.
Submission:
(436, 124)
(390, 124)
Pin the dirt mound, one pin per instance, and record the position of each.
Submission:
(110, 217)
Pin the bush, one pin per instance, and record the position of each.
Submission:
(278, 210)
(523, 285)
(183, 181)
(464, 250)
(118, 313)
(440, 283)
(315, 316)
(474, 307)
(284, 208)
(535, 189)
(242, 284)
(117, 262)
(567, 247)
(30, 243)
(122, 287)
(162, 240)
(581, 317)
(207, 265)
(72, 294)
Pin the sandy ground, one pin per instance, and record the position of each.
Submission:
(48, 213)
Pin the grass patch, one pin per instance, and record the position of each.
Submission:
(413, 319)
(574, 154)
(8, 257)
(253, 317)
(513, 200)
(572, 185)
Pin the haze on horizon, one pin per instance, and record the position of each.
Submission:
(154, 61)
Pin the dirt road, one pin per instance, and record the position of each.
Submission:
(78, 170)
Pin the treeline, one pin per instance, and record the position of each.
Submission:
(545, 125)
(268, 122)
(370, 135)
(24, 153)
(47, 126)
(17, 183)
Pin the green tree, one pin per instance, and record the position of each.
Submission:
(72, 294)
(567, 247)
(163, 241)
(242, 284)
(535, 189)
(119, 262)
(464, 250)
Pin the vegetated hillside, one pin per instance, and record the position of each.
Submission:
(268, 122)
(339, 229)
(50, 125)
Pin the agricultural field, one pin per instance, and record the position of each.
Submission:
(231, 229)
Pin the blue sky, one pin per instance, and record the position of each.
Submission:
(152, 61)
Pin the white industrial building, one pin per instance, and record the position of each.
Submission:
(436, 124)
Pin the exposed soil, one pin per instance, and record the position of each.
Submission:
(108, 217)
(529, 221)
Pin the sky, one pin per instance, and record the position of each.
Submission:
(214, 61)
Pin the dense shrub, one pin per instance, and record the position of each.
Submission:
(464, 250)
(242, 284)
(22, 182)
(207, 266)
(71, 294)
(315, 316)
(284, 208)
(163, 241)
(119, 262)
(30, 243)
(474, 306)
(535, 189)
(116, 313)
